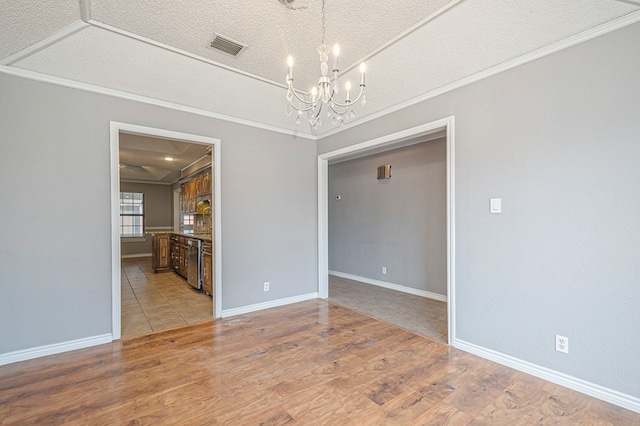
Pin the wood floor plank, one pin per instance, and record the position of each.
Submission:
(308, 363)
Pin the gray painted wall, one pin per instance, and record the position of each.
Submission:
(55, 258)
(558, 139)
(399, 223)
(158, 203)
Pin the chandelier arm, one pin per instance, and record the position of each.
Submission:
(336, 111)
(310, 106)
(300, 99)
(351, 102)
(319, 111)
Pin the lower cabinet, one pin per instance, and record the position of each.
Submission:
(177, 256)
(175, 253)
(184, 258)
(207, 266)
(160, 252)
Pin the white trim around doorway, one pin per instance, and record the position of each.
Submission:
(391, 141)
(115, 129)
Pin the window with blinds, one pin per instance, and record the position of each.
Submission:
(131, 214)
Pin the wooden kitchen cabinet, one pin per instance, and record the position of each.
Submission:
(192, 195)
(179, 255)
(188, 196)
(191, 189)
(207, 267)
(206, 184)
(184, 258)
(160, 252)
(175, 253)
(198, 185)
(184, 196)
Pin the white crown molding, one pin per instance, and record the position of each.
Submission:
(266, 305)
(598, 31)
(169, 48)
(128, 34)
(32, 75)
(609, 395)
(53, 349)
(633, 2)
(44, 43)
(391, 286)
(582, 37)
(403, 34)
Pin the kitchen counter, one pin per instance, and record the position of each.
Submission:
(203, 237)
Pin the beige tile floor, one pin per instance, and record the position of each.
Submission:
(153, 302)
(418, 314)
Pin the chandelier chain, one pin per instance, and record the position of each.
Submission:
(324, 30)
(288, 6)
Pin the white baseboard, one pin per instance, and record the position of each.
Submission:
(266, 305)
(397, 287)
(131, 256)
(53, 349)
(609, 395)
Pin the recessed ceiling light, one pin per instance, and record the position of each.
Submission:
(169, 158)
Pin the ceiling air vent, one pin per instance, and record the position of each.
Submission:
(226, 45)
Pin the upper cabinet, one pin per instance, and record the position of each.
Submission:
(206, 183)
(198, 185)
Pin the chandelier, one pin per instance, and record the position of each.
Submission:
(324, 94)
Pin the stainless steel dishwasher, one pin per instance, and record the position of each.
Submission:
(194, 264)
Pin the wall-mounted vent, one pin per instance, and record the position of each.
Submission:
(226, 45)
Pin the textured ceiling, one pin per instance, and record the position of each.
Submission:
(159, 49)
(142, 158)
(270, 30)
(25, 22)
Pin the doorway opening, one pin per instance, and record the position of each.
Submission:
(438, 129)
(148, 233)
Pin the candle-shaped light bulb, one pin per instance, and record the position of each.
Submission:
(314, 93)
(363, 69)
(336, 52)
(290, 65)
(348, 87)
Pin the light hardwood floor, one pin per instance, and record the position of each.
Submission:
(311, 363)
(418, 314)
(158, 301)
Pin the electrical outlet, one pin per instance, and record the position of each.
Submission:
(266, 286)
(562, 344)
(384, 270)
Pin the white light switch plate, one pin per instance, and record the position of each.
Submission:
(496, 205)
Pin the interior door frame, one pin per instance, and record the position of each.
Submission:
(388, 142)
(115, 129)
